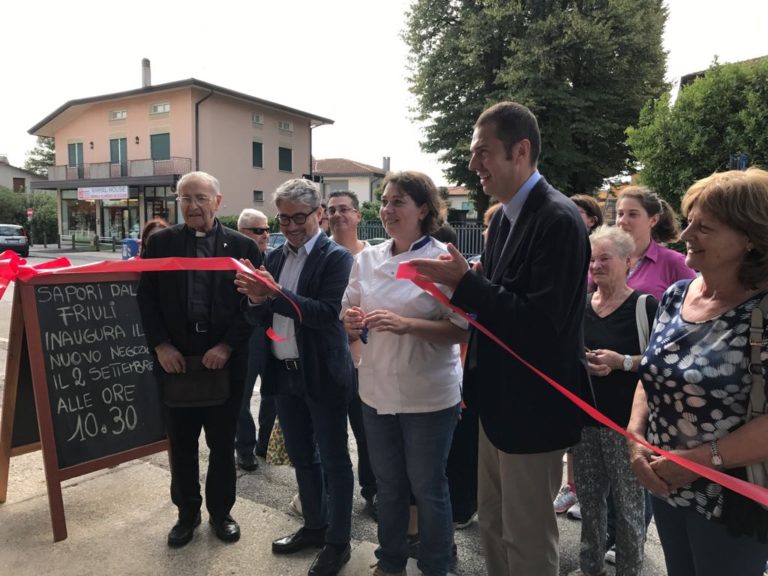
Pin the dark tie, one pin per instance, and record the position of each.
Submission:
(499, 242)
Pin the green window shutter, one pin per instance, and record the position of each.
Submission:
(160, 146)
(75, 152)
(285, 159)
(258, 155)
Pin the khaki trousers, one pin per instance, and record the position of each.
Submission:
(516, 517)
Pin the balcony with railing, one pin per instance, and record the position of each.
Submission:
(132, 169)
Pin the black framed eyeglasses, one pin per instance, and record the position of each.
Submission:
(299, 219)
(256, 230)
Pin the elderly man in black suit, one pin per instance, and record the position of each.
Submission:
(190, 317)
(531, 293)
(311, 371)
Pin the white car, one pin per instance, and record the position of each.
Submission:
(13, 237)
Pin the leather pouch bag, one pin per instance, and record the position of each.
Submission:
(198, 386)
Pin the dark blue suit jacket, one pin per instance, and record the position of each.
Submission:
(533, 298)
(326, 364)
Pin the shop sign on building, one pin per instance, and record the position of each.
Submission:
(103, 193)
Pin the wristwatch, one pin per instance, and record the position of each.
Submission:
(717, 460)
(627, 363)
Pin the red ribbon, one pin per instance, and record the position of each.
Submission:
(407, 271)
(13, 267)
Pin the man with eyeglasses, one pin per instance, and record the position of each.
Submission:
(254, 224)
(193, 318)
(310, 370)
(344, 214)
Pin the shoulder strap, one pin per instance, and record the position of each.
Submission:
(757, 396)
(641, 319)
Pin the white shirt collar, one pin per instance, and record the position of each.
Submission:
(308, 245)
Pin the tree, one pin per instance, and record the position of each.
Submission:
(369, 211)
(584, 67)
(44, 226)
(13, 208)
(721, 114)
(41, 157)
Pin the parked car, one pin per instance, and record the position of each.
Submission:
(276, 239)
(374, 241)
(13, 237)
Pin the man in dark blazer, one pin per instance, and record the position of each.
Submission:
(198, 314)
(311, 371)
(531, 293)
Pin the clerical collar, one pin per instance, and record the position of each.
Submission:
(192, 232)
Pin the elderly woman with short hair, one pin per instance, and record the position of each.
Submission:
(696, 382)
(600, 460)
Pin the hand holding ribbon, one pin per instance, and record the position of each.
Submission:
(422, 271)
(12, 267)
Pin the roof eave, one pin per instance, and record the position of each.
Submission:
(314, 119)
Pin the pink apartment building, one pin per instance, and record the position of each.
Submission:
(118, 156)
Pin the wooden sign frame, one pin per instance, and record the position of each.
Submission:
(54, 474)
(10, 396)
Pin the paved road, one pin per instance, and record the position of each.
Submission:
(274, 486)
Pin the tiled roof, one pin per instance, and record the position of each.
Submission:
(344, 167)
(38, 128)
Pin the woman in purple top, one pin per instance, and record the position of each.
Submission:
(649, 220)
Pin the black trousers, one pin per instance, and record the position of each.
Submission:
(462, 466)
(183, 426)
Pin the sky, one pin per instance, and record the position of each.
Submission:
(339, 59)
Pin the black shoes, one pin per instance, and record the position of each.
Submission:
(225, 528)
(247, 462)
(330, 560)
(261, 451)
(303, 538)
(182, 532)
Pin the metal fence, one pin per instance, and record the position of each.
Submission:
(470, 236)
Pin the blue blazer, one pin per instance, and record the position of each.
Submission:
(532, 297)
(326, 364)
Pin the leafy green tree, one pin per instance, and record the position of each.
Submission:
(13, 208)
(229, 221)
(584, 67)
(369, 211)
(41, 157)
(721, 114)
(44, 225)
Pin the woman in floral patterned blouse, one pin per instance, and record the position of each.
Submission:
(695, 384)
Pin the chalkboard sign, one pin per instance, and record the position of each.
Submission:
(96, 401)
(103, 396)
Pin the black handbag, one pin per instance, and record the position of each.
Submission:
(196, 387)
